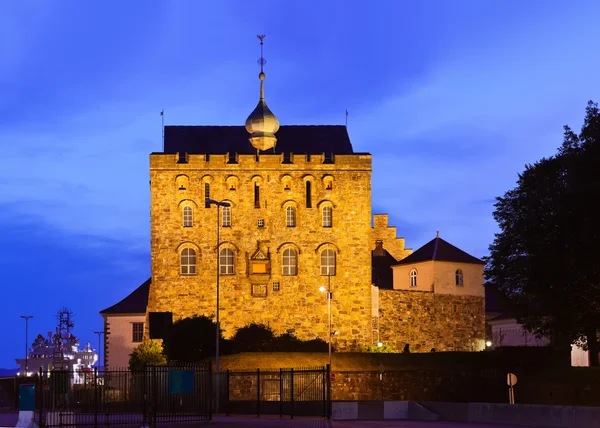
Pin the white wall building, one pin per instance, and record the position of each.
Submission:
(124, 327)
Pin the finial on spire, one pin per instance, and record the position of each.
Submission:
(262, 61)
(262, 123)
(437, 233)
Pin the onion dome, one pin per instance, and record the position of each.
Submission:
(262, 123)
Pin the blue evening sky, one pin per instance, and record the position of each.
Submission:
(452, 98)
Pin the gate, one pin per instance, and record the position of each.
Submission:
(285, 392)
(157, 395)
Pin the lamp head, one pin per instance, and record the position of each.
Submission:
(322, 289)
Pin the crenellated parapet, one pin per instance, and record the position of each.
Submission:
(279, 161)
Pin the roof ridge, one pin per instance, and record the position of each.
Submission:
(435, 247)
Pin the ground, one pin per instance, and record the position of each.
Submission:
(10, 420)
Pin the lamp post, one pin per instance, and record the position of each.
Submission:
(329, 297)
(99, 333)
(218, 204)
(26, 318)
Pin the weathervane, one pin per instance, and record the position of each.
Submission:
(261, 60)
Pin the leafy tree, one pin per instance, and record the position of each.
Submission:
(149, 352)
(193, 339)
(545, 259)
(253, 338)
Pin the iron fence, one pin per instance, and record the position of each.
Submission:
(156, 395)
(287, 392)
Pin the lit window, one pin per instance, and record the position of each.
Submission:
(413, 278)
(226, 217)
(261, 223)
(327, 216)
(276, 286)
(290, 217)
(327, 262)
(187, 217)
(206, 194)
(137, 334)
(290, 262)
(226, 262)
(188, 262)
(459, 278)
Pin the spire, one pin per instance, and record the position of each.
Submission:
(262, 123)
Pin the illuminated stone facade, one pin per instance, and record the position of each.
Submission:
(262, 190)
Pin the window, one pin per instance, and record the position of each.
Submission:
(226, 262)
(206, 194)
(188, 262)
(327, 262)
(290, 262)
(256, 195)
(413, 278)
(276, 286)
(327, 215)
(261, 223)
(137, 333)
(187, 217)
(459, 278)
(308, 195)
(290, 217)
(226, 222)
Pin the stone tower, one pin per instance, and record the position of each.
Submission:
(299, 216)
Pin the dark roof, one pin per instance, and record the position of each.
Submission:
(381, 270)
(135, 303)
(439, 250)
(313, 139)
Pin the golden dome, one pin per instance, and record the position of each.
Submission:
(262, 123)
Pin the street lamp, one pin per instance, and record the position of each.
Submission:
(218, 204)
(26, 318)
(329, 297)
(99, 333)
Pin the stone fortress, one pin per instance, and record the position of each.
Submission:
(299, 217)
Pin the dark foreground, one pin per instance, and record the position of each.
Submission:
(10, 420)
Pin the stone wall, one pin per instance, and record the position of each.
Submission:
(285, 303)
(430, 320)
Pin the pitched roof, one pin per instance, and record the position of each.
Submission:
(439, 250)
(382, 274)
(135, 303)
(312, 139)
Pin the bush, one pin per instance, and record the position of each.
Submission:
(149, 352)
(383, 349)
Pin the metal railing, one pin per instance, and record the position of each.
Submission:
(156, 395)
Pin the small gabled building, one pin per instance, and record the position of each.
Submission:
(124, 327)
(440, 267)
(430, 300)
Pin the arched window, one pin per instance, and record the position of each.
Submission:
(256, 195)
(327, 216)
(459, 277)
(206, 194)
(226, 217)
(290, 217)
(413, 278)
(226, 262)
(290, 262)
(328, 262)
(188, 219)
(188, 261)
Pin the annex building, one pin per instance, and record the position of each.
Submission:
(296, 216)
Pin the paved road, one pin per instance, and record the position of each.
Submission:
(10, 420)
